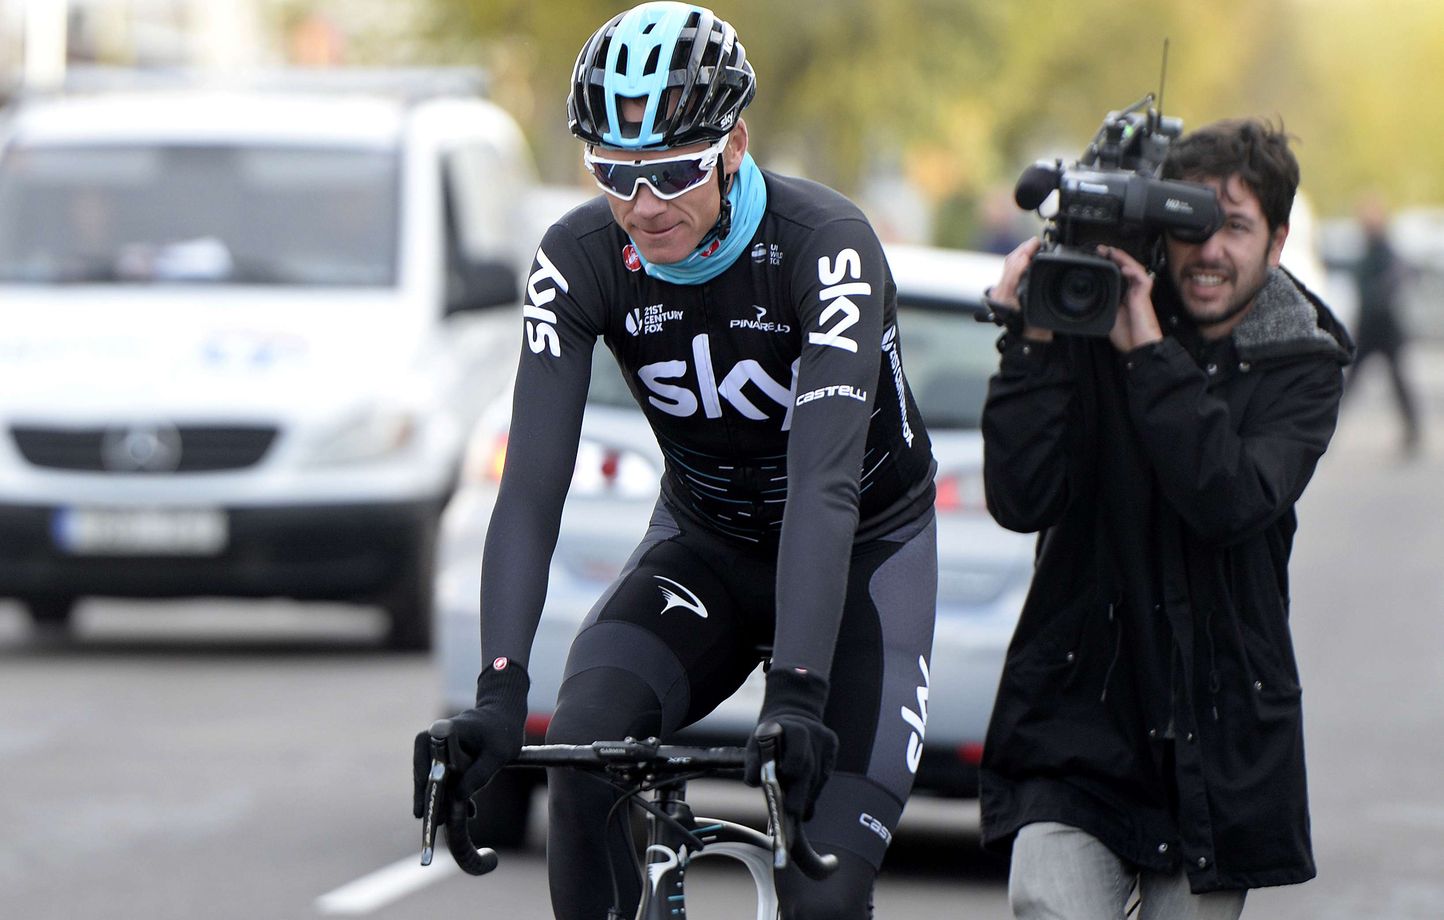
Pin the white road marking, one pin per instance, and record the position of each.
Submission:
(392, 883)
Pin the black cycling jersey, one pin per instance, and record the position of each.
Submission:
(776, 391)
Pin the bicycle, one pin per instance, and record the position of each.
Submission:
(675, 835)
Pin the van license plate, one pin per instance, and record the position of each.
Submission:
(141, 531)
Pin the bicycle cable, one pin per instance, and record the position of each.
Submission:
(631, 794)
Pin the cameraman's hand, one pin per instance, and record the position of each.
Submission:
(1005, 292)
(807, 749)
(1137, 321)
(484, 738)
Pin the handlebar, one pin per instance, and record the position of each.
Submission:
(638, 761)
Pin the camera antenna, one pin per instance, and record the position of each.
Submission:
(1162, 76)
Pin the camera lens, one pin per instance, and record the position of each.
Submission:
(1081, 293)
(1069, 291)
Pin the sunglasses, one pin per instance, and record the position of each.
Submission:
(668, 177)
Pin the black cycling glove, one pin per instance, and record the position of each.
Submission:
(794, 700)
(484, 738)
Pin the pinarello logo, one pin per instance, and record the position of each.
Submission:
(630, 257)
(500, 664)
(716, 245)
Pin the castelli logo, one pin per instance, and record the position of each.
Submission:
(500, 664)
(630, 257)
(716, 245)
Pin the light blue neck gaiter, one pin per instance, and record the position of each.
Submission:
(749, 201)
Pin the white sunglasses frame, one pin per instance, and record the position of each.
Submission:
(713, 152)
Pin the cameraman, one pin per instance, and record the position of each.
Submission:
(1147, 730)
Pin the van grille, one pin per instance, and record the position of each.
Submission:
(144, 448)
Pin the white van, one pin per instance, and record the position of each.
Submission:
(243, 336)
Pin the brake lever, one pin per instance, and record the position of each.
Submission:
(435, 788)
(441, 811)
(789, 841)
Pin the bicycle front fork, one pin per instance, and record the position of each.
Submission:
(666, 858)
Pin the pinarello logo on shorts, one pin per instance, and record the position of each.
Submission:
(630, 257)
(500, 664)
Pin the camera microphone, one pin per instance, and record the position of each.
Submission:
(1035, 185)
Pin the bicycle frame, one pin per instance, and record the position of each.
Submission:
(670, 851)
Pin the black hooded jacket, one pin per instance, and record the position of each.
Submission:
(1150, 695)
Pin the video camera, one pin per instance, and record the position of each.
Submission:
(1112, 196)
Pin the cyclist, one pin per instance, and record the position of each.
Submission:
(754, 318)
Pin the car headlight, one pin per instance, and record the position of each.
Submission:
(367, 435)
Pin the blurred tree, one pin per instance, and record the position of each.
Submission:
(835, 80)
(961, 94)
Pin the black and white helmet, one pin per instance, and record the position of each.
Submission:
(680, 60)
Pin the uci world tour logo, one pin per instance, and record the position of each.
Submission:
(681, 597)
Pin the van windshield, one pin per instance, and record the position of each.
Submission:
(281, 215)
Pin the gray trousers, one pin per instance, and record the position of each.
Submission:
(1061, 873)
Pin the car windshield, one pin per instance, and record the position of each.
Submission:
(949, 357)
(198, 214)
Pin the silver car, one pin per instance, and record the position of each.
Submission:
(983, 570)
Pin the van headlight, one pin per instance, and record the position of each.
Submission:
(367, 435)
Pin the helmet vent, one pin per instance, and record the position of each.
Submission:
(622, 60)
(652, 60)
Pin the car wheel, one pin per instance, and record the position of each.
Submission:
(51, 611)
(409, 600)
(503, 810)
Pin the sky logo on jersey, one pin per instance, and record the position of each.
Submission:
(759, 324)
(836, 293)
(631, 259)
(681, 597)
(894, 360)
(679, 400)
(541, 329)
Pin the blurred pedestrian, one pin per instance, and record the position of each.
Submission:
(1379, 276)
(1147, 734)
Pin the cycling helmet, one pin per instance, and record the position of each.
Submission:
(683, 62)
